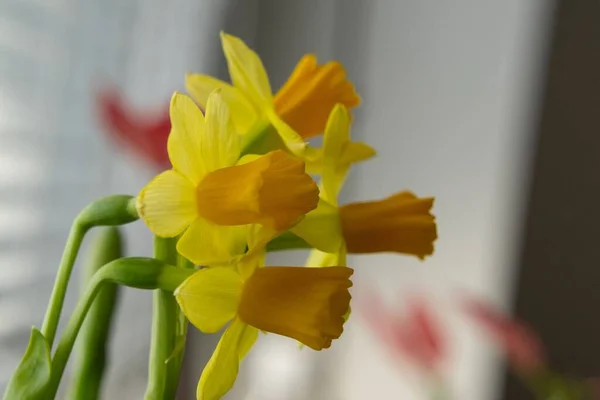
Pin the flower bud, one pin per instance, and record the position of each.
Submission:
(108, 211)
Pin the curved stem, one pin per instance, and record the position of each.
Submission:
(61, 282)
(141, 273)
(91, 355)
(65, 346)
(108, 211)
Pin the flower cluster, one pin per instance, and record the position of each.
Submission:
(242, 183)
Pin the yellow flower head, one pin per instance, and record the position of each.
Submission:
(298, 111)
(401, 223)
(305, 101)
(208, 197)
(322, 228)
(306, 304)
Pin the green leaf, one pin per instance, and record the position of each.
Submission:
(33, 372)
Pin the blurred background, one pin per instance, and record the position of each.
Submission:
(488, 105)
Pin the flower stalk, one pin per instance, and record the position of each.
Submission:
(136, 272)
(91, 358)
(108, 211)
(162, 367)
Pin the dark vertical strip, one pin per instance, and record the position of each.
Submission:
(558, 288)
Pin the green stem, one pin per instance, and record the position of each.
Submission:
(260, 139)
(137, 272)
(62, 281)
(161, 384)
(91, 352)
(287, 241)
(176, 361)
(109, 211)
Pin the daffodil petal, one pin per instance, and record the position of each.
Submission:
(337, 134)
(357, 152)
(185, 144)
(292, 140)
(246, 70)
(243, 113)
(401, 223)
(220, 144)
(307, 304)
(222, 369)
(209, 298)
(248, 158)
(318, 258)
(311, 92)
(273, 190)
(321, 228)
(209, 244)
(168, 204)
(258, 237)
(314, 160)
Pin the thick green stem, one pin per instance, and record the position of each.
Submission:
(162, 385)
(91, 353)
(176, 361)
(109, 211)
(137, 272)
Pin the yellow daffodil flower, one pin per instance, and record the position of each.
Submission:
(209, 198)
(400, 223)
(298, 111)
(307, 304)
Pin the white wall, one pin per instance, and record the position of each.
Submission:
(449, 91)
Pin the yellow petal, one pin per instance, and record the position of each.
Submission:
(220, 144)
(321, 228)
(356, 152)
(337, 135)
(243, 113)
(292, 140)
(272, 190)
(307, 304)
(168, 204)
(220, 373)
(258, 237)
(337, 132)
(209, 298)
(209, 244)
(184, 144)
(310, 93)
(246, 70)
(318, 258)
(314, 162)
(400, 223)
(338, 152)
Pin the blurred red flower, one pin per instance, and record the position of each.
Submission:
(145, 134)
(415, 335)
(520, 344)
